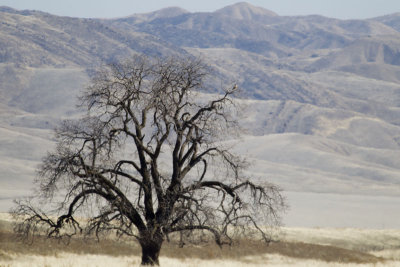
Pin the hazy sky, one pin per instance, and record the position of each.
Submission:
(344, 9)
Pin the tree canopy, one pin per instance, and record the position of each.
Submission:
(152, 157)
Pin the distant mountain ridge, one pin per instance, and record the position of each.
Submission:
(245, 11)
(162, 13)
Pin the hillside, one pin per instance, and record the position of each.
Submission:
(321, 95)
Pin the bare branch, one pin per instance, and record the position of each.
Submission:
(139, 163)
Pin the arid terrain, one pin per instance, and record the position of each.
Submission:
(291, 247)
(322, 96)
(321, 119)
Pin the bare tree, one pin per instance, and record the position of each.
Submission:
(150, 159)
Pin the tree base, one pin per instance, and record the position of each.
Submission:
(151, 251)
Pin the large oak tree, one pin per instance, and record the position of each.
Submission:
(150, 159)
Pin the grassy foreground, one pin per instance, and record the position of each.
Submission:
(297, 247)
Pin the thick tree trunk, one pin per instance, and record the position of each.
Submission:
(151, 247)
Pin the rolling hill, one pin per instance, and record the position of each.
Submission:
(321, 95)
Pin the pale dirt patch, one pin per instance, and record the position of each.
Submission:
(390, 254)
(5, 216)
(364, 240)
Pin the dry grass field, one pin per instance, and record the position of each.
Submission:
(296, 247)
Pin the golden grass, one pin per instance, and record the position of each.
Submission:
(245, 249)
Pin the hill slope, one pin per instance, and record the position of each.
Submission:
(322, 95)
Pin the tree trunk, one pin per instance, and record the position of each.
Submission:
(151, 246)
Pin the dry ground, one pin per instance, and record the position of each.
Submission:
(297, 247)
